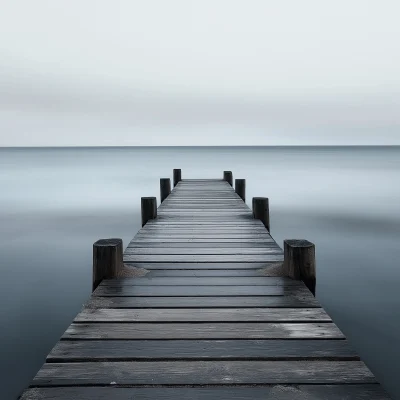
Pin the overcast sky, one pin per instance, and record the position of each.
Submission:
(183, 72)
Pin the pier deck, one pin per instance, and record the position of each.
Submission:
(207, 321)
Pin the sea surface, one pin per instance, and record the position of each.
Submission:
(54, 203)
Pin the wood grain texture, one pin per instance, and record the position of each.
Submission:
(203, 373)
(170, 265)
(204, 281)
(203, 251)
(300, 301)
(204, 315)
(155, 291)
(223, 258)
(272, 392)
(223, 330)
(130, 350)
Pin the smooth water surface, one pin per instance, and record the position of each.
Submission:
(55, 203)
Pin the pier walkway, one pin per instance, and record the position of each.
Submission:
(206, 321)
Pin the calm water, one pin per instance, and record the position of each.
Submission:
(55, 203)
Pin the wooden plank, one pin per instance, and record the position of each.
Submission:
(308, 300)
(198, 265)
(204, 273)
(204, 281)
(155, 291)
(203, 245)
(151, 239)
(203, 373)
(205, 235)
(202, 229)
(271, 392)
(203, 330)
(204, 315)
(232, 251)
(130, 350)
(224, 258)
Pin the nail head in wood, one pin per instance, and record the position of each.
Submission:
(240, 188)
(149, 209)
(177, 176)
(261, 210)
(299, 261)
(165, 188)
(107, 260)
(228, 177)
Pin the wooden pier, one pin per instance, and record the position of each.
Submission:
(213, 315)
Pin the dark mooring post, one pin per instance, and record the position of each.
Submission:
(165, 188)
(240, 188)
(177, 176)
(261, 210)
(299, 262)
(228, 177)
(149, 209)
(107, 260)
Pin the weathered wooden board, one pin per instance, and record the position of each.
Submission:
(199, 290)
(203, 330)
(199, 265)
(204, 315)
(204, 245)
(202, 251)
(125, 350)
(270, 392)
(307, 300)
(204, 281)
(224, 258)
(198, 273)
(203, 373)
(221, 239)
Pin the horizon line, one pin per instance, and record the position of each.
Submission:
(203, 146)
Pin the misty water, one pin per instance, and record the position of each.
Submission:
(55, 203)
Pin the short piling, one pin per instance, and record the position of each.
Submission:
(261, 210)
(165, 188)
(299, 262)
(228, 177)
(149, 209)
(107, 260)
(240, 188)
(177, 176)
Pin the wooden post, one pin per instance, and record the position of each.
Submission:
(299, 261)
(107, 260)
(149, 209)
(177, 176)
(261, 210)
(165, 188)
(240, 188)
(228, 177)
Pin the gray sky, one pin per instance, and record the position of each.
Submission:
(185, 72)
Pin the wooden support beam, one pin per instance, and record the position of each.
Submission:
(261, 210)
(165, 188)
(299, 262)
(240, 188)
(177, 176)
(107, 260)
(149, 209)
(228, 177)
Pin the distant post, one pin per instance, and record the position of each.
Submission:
(228, 177)
(240, 188)
(149, 209)
(299, 262)
(107, 260)
(177, 176)
(165, 188)
(261, 210)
